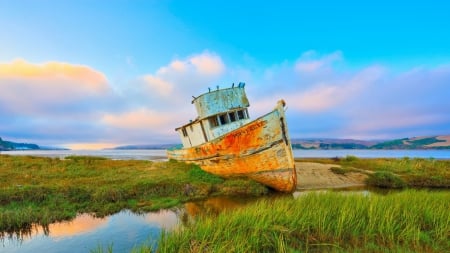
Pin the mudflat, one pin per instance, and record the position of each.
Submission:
(312, 175)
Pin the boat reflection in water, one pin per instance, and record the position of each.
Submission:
(123, 231)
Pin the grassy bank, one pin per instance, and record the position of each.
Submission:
(395, 173)
(409, 221)
(44, 190)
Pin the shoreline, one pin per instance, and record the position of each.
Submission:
(311, 175)
(160, 154)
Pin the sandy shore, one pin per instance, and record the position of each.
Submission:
(319, 176)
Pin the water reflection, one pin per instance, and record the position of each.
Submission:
(215, 205)
(123, 230)
(83, 223)
(211, 206)
(165, 219)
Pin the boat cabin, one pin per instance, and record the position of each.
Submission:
(219, 111)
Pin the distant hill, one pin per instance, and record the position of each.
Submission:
(9, 145)
(426, 142)
(327, 143)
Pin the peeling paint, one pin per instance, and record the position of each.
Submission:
(220, 101)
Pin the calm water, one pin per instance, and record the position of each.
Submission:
(150, 154)
(159, 154)
(122, 231)
(125, 230)
(365, 153)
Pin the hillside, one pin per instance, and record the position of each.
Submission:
(9, 145)
(425, 142)
(327, 143)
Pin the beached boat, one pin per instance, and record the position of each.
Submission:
(223, 140)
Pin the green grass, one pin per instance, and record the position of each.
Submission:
(343, 170)
(44, 190)
(385, 179)
(36, 190)
(409, 221)
(414, 172)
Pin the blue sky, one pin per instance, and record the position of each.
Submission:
(93, 74)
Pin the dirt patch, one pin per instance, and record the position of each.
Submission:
(319, 176)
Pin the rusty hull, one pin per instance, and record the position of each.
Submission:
(260, 150)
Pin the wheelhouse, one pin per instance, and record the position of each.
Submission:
(219, 112)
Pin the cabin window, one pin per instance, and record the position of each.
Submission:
(241, 114)
(223, 118)
(184, 132)
(232, 116)
(213, 122)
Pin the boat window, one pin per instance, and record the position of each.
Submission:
(213, 122)
(184, 132)
(232, 116)
(223, 118)
(241, 114)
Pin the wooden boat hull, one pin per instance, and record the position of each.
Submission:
(260, 150)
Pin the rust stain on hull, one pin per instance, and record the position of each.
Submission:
(260, 150)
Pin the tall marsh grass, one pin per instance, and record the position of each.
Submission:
(44, 190)
(409, 221)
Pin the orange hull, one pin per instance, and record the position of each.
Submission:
(260, 150)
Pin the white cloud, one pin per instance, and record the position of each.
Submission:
(174, 84)
(158, 85)
(208, 64)
(324, 96)
(205, 64)
(60, 102)
(176, 65)
(161, 100)
(328, 101)
(27, 88)
(308, 62)
(392, 119)
(140, 118)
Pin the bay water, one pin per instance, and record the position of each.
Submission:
(160, 154)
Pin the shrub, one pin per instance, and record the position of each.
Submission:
(350, 158)
(339, 170)
(385, 179)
